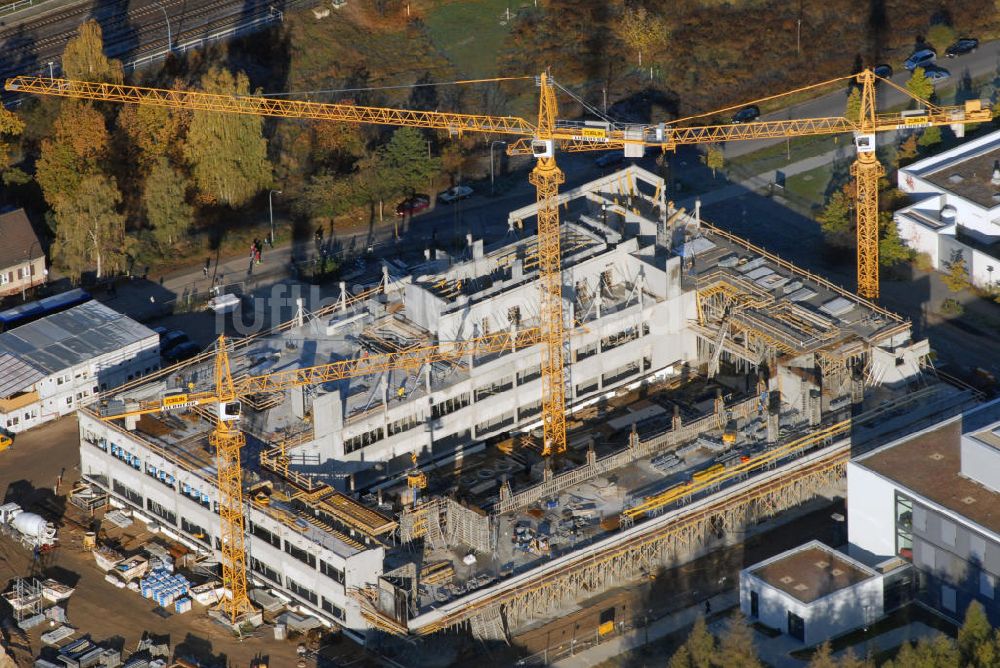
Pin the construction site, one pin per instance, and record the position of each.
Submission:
(478, 441)
(395, 474)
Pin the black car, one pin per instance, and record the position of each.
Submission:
(181, 352)
(962, 46)
(610, 159)
(747, 114)
(884, 71)
(172, 338)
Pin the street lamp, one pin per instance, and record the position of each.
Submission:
(491, 161)
(51, 72)
(170, 41)
(270, 209)
(604, 212)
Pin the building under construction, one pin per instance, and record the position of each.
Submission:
(709, 384)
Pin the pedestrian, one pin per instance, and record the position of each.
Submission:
(257, 256)
(152, 299)
(708, 607)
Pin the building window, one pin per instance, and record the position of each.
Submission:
(197, 532)
(514, 315)
(299, 590)
(404, 424)
(586, 351)
(127, 492)
(450, 405)
(531, 410)
(987, 585)
(333, 609)
(948, 598)
(265, 535)
(926, 556)
(497, 387)
(904, 527)
(260, 568)
(69, 401)
(331, 571)
(977, 548)
(796, 626)
(948, 532)
(300, 554)
(362, 440)
(529, 375)
(161, 512)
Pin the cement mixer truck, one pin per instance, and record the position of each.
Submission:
(33, 530)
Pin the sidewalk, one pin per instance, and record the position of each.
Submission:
(638, 637)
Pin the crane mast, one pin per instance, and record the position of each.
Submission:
(866, 171)
(546, 177)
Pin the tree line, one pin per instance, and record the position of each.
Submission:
(977, 645)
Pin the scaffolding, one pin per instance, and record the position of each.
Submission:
(652, 545)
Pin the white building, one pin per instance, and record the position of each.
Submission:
(956, 209)
(50, 367)
(931, 498)
(811, 592)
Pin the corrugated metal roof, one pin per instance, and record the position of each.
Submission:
(63, 340)
(16, 375)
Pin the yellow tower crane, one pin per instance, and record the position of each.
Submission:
(540, 140)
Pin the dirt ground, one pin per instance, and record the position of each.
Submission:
(28, 475)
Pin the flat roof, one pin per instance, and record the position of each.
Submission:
(63, 340)
(970, 178)
(811, 572)
(930, 464)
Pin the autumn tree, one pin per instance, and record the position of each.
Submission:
(891, 249)
(957, 278)
(10, 126)
(84, 58)
(930, 136)
(822, 657)
(941, 36)
(78, 147)
(976, 642)
(164, 199)
(642, 31)
(154, 133)
(919, 85)
(90, 228)
(713, 158)
(908, 150)
(926, 654)
(853, 110)
(227, 152)
(736, 648)
(698, 650)
(837, 220)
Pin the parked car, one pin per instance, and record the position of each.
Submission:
(172, 338)
(884, 71)
(181, 352)
(963, 46)
(920, 58)
(936, 74)
(747, 114)
(412, 205)
(455, 193)
(161, 330)
(610, 159)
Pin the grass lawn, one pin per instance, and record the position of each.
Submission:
(776, 156)
(811, 186)
(470, 33)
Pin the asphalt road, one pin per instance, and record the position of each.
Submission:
(984, 61)
(32, 38)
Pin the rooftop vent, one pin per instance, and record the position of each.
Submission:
(995, 179)
(837, 572)
(822, 564)
(800, 587)
(968, 500)
(937, 456)
(956, 179)
(787, 579)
